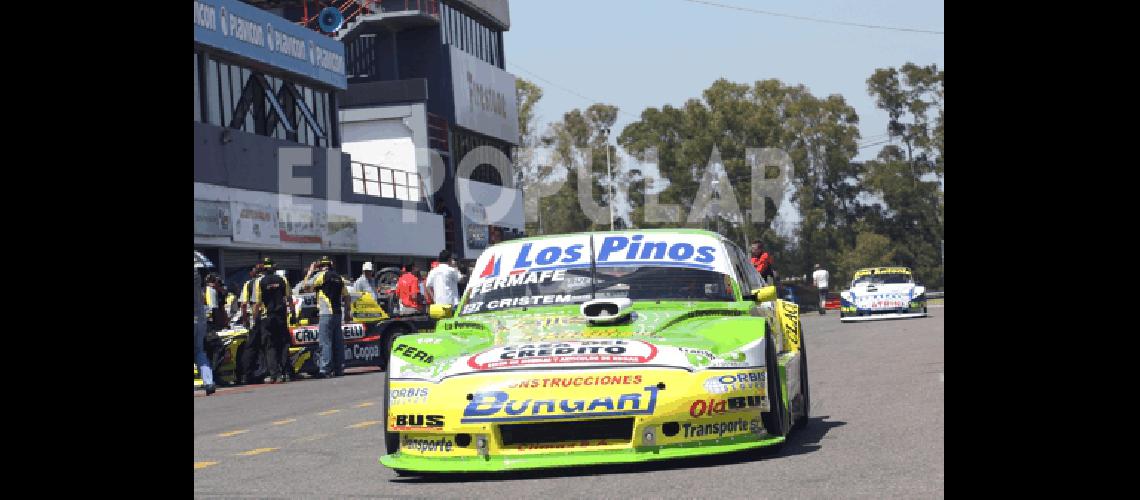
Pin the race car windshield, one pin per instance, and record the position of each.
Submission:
(883, 279)
(529, 289)
(573, 269)
(574, 286)
(662, 283)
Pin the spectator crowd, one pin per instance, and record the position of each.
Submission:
(266, 306)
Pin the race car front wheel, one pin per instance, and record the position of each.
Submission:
(390, 335)
(391, 439)
(805, 389)
(775, 419)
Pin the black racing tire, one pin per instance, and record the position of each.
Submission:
(805, 389)
(385, 348)
(313, 364)
(390, 333)
(775, 420)
(397, 329)
(391, 439)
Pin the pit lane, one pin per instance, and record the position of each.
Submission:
(877, 431)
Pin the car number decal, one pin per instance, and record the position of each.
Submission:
(790, 325)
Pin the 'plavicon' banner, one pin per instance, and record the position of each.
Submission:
(239, 28)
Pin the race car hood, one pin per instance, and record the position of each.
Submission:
(687, 335)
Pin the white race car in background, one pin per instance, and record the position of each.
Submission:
(882, 293)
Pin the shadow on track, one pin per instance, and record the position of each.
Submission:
(801, 441)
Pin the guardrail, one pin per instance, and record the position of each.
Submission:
(935, 295)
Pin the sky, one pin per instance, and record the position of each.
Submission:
(641, 53)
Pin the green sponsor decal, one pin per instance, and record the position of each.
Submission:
(736, 357)
(698, 359)
(432, 370)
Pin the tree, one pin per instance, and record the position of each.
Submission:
(577, 133)
(908, 218)
(527, 95)
(819, 134)
(908, 95)
(869, 250)
(881, 212)
(908, 179)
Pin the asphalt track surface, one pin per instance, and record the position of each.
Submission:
(876, 432)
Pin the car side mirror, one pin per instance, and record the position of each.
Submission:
(439, 311)
(766, 294)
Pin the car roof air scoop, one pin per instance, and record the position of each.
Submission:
(607, 310)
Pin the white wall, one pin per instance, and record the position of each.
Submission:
(390, 136)
(382, 230)
(387, 143)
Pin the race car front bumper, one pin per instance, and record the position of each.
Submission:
(512, 421)
(406, 462)
(875, 317)
(849, 312)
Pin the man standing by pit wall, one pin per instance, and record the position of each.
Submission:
(333, 303)
(366, 283)
(271, 306)
(820, 277)
(762, 262)
(443, 282)
(408, 290)
(204, 369)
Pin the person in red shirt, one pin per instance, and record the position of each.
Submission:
(423, 280)
(408, 290)
(761, 260)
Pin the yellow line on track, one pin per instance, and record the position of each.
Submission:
(362, 405)
(286, 421)
(327, 412)
(203, 465)
(363, 424)
(311, 438)
(258, 451)
(233, 433)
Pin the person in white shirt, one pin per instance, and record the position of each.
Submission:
(443, 282)
(820, 278)
(366, 283)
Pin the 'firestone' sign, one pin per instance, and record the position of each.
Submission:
(484, 97)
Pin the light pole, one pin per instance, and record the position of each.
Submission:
(609, 175)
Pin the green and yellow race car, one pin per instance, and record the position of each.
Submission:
(598, 348)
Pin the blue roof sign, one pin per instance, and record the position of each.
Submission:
(247, 31)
